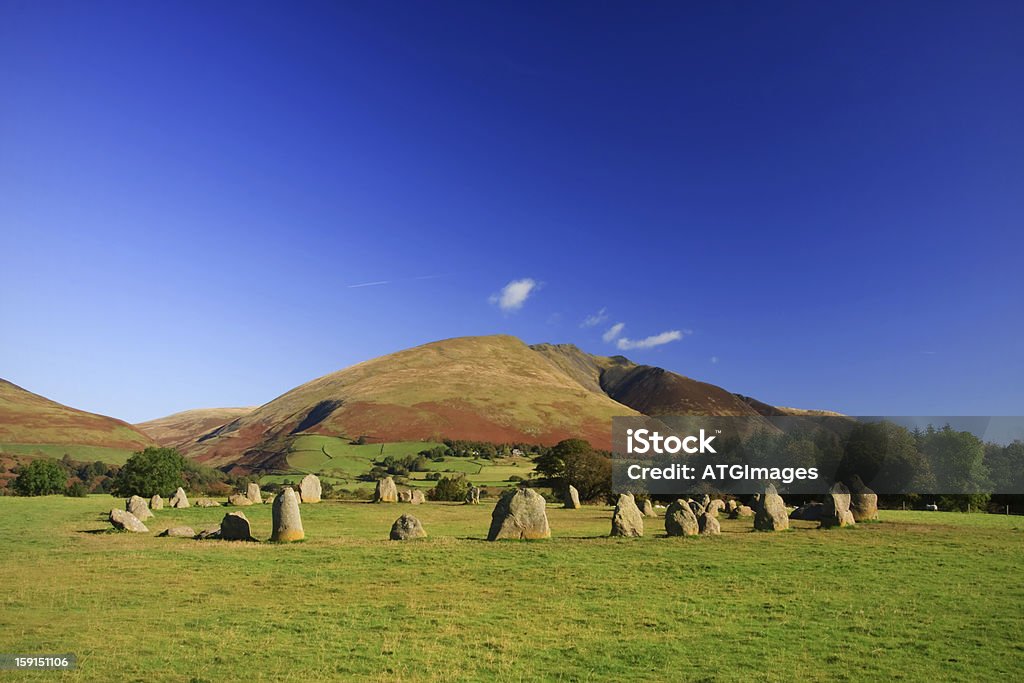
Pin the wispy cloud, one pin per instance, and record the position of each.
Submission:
(714, 360)
(595, 319)
(626, 344)
(370, 284)
(513, 295)
(612, 332)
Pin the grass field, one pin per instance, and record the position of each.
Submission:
(114, 456)
(917, 596)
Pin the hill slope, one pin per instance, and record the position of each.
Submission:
(185, 427)
(31, 423)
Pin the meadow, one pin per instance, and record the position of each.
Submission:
(916, 596)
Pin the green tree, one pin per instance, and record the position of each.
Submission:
(552, 463)
(41, 477)
(590, 472)
(450, 488)
(154, 471)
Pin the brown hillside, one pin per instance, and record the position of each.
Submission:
(185, 427)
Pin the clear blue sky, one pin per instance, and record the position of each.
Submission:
(823, 199)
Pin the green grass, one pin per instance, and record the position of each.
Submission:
(917, 596)
(114, 456)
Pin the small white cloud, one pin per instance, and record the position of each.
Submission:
(714, 360)
(370, 284)
(626, 344)
(612, 332)
(513, 295)
(595, 319)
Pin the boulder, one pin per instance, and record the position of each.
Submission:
(138, 507)
(572, 498)
(417, 497)
(405, 496)
(386, 491)
(715, 507)
(239, 500)
(836, 511)
(627, 520)
(179, 532)
(708, 525)
(519, 514)
(126, 521)
(648, 508)
(741, 511)
(156, 503)
(207, 503)
(252, 492)
(310, 489)
(705, 501)
(680, 520)
(863, 501)
(731, 505)
(179, 499)
(287, 523)
(473, 496)
(407, 527)
(235, 527)
(810, 512)
(212, 532)
(695, 507)
(771, 512)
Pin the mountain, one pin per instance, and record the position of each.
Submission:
(30, 423)
(183, 428)
(493, 388)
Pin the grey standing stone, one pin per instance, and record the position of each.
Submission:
(405, 496)
(239, 500)
(235, 527)
(287, 521)
(252, 492)
(863, 501)
(810, 512)
(386, 491)
(680, 519)
(519, 514)
(126, 521)
(417, 497)
(771, 512)
(406, 528)
(741, 511)
(473, 495)
(709, 525)
(207, 503)
(572, 498)
(179, 532)
(731, 505)
(179, 499)
(138, 507)
(836, 511)
(648, 508)
(156, 503)
(627, 520)
(715, 507)
(310, 489)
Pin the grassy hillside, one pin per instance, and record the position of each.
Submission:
(185, 427)
(917, 596)
(31, 424)
(494, 389)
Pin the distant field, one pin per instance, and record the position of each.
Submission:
(336, 460)
(917, 596)
(114, 456)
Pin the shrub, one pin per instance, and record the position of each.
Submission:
(41, 478)
(449, 488)
(154, 471)
(76, 489)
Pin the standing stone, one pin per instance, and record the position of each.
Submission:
(648, 508)
(709, 525)
(386, 491)
(837, 507)
(771, 512)
(572, 498)
(696, 507)
(178, 532)
(310, 489)
(239, 500)
(863, 501)
(126, 521)
(680, 520)
(156, 503)
(731, 505)
(741, 511)
(407, 527)
(179, 500)
(417, 497)
(235, 527)
(810, 512)
(519, 514)
(715, 507)
(705, 501)
(287, 522)
(473, 495)
(627, 520)
(207, 503)
(252, 492)
(405, 496)
(137, 506)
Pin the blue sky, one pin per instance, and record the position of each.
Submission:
(823, 200)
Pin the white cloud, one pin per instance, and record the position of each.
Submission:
(714, 360)
(595, 319)
(612, 332)
(370, 284)
(626, 344)
(513, 295)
